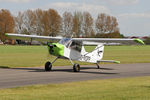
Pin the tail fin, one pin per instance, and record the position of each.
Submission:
(83, 51)
(98, 52)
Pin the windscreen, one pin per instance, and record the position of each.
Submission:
(65, 41)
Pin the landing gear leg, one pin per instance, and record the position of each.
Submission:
(76, 67)
(98, 66)
(48, 65)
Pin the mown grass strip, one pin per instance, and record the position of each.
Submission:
(31, 56)
(110, 89)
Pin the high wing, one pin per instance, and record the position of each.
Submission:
(95, 41)
(32, 37)
(86, 41)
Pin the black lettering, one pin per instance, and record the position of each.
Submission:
(85, 58)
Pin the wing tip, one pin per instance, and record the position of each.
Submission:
(117, 62)
(139, 41)
(6, 34)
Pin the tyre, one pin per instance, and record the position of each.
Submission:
(48, 66)
(76, 68)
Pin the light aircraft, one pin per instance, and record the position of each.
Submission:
(73, 48)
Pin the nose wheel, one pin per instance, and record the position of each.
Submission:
(48, 66)
(76, 68)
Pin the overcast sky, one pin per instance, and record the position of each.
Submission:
(133, 15)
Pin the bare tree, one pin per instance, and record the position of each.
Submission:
(50, 23)
(19, 28)
(106, 24)
(30, 22)
(26, 22)
(87, 25)
(77, 24)
(67, 24)
(39, 24)
(112, 24)
(100, 24)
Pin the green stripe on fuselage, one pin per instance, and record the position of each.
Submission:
(57, 50)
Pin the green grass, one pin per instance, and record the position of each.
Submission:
(111, 89)
(128, 54)
(31, 56)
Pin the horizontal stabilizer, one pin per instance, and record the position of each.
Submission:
(110, 61)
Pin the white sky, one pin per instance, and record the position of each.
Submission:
(133, 15)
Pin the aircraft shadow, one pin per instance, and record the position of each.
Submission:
(83, 70)
(106, 73)
(4, 67)
(96, 68)
(29, 69)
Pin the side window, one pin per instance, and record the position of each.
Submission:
(76, 46)
(73, 45)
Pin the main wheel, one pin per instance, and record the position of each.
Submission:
(76, 67)
(48, 66)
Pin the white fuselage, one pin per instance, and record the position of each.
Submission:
(92, 57)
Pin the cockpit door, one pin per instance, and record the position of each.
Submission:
(75, 46)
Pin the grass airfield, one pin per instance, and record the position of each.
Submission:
(110, 89)
(33, 56)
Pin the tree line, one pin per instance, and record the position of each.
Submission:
(51, 23)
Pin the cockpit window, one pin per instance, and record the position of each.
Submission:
(71, 44)
(76, 46)
(65, 41)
